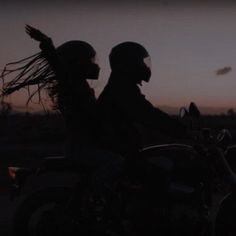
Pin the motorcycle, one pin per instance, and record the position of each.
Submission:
(169, 189)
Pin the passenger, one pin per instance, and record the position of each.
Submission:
(64, 71)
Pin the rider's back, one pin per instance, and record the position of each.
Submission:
(115, 110)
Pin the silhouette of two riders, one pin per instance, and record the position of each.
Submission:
(120, 107)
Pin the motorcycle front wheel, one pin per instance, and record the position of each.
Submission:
(35, 216)
(225, 219)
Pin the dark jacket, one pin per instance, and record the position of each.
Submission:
(122, 107)
(74, 98)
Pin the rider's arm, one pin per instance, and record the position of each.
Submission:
(48, 51)
(142, 111)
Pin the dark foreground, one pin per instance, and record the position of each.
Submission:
(22, 156)
(25, 140)
(6, 205)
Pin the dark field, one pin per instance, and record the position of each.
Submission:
(26, 138)
(30, 136)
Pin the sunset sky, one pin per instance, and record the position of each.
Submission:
(189, 42)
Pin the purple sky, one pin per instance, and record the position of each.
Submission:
(188, 42)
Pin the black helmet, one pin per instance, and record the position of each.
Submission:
(81, 55)
(75, 50)
(129, 58)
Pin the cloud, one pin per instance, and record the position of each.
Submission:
(224, 71)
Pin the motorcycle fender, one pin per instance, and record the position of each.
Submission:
(226, 214)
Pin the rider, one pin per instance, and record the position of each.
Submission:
(123, 107)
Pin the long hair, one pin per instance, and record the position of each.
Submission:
(32, 70)
(36, 70)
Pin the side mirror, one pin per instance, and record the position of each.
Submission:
(224, 137)
(183, 112)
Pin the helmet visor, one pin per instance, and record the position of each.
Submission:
(95, 60)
